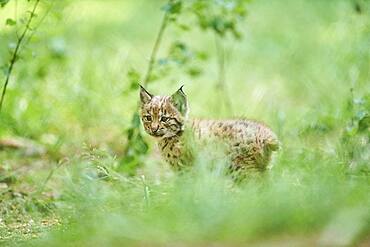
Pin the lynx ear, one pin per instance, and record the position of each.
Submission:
(180, 102)
(145, 96)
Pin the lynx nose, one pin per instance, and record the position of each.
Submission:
(155, 127)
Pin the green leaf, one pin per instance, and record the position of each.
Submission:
(194, 71)
(134, 78)
(183, 27)
(136, 120)
(173, 7)
(364, 123)
(351, 130)
(31, 13)
(201, 55)
(10, 22)
(3, 2)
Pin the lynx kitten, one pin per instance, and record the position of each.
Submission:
(249, 144)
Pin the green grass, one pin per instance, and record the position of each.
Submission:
(293, 69)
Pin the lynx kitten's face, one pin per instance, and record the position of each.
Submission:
(163, 116)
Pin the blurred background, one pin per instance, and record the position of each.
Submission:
(70, 140)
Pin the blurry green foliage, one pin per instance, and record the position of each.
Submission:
(10, 22)
(133, 77)
(3, 2)
(136, 148)
(173, 8)
(180, 57)
(76, 82)
(220, 16)
(355, 140)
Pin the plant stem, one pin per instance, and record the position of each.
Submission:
(153, 55)
(146, 191)
(51, 173)
(16, 52)
(221, 81)
(153, 58)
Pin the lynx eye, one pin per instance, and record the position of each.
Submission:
(164, 119)
(147, 118)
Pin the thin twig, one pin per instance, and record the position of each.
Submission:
(221, 81)
(39, 23)
(16, 51)
(153, 55)
(16, 17)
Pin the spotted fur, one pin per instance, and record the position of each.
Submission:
(248, 144)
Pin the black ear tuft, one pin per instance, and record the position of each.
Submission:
(180, 101)
(145, 96)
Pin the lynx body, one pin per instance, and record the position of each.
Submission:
(247, 144)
